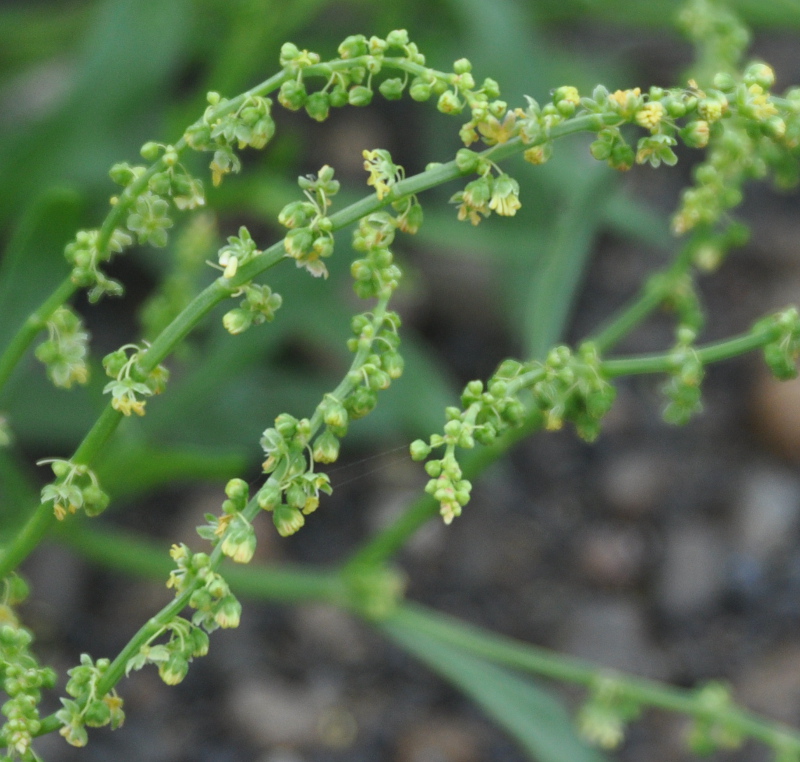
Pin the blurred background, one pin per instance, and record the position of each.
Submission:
(668, 552)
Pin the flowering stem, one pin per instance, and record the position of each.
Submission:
(715, 352)
(122, 551)
(222, 288)
(388, 541)
(525, 657)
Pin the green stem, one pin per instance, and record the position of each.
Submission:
(540, 661)
(653, 293)
(710, 353)
(627, 319)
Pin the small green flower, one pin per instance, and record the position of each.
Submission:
(150, 220)
(288, 520)
(505, 196)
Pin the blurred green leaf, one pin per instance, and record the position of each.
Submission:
(531, 715)
(32, 32)
(33, 263)
(130, 50)
(558, 269)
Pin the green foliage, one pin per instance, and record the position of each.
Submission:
(729, 111)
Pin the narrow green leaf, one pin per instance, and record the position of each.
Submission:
(558, 270)
(531, 715)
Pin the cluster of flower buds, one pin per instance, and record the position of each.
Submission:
(224, 128)
(75, 488)
(88, 707)
(129, 380)
(171, 181)
(712, 730)
(565, 386)
(781, 355)
(258, 306)
(214, 603)
(352, 85)
(236, 533)
(292, 490)
(85, 255)
(678, 293)
(21, 677)
(310, 236)
(606, 713)
(683, 388)
(64, 351)
(487, 194)
(375, 275)
(186, 642)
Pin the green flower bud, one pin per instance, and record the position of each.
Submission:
(361, 402)
(759, 74)
(695, 134)
(289, 52)
(213, 98)
(774, 127)
(326, 448)
(485, 434)
(675, 108)
(397, 38)
(61, 468)
(393, 364)
(237, 321)
(419, 449)
(269, 496)
(239, 543)
(601, 149)
(392, 89)
(467, 161)
(318, 106)
(449, 103)
(287, 520)
(296, 495)
(97, 714)
(420, 90)
(174, 669)
(286, 425)
(150, 151)
(338, 96)
(724, 81)
(237, 490)
(292, 95)
(95, 501)
(353, 46)
(335, 415)
(359, 96)
(323, 245)
(198, 642)
(123, 173)
(622, 157)
(377, 46)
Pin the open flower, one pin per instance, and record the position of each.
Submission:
(505, 196)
